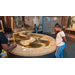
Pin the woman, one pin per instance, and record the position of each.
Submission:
(4, 37)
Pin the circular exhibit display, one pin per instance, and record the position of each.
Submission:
(32, 44)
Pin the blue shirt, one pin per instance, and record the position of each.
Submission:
(36, 29)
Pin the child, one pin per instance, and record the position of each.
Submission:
(60, 41)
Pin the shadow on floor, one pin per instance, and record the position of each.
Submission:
(65, 55)
(51, 55)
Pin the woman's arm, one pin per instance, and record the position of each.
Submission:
(6, 47)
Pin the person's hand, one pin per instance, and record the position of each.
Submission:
(14, 44)
(59, 46)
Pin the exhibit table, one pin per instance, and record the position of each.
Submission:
(69, 29)
(22, 51)
(70, 32)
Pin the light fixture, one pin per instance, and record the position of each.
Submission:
(55, 18)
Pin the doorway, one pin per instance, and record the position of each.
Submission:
(49, 23)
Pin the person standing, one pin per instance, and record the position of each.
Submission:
(4, 37)
(60, 41)
(36, 28)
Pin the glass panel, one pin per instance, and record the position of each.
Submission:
(19, 17)
(16, 17)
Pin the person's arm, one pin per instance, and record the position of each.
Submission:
(64, 39)
(6, 47)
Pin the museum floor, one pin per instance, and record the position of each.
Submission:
(69, 51)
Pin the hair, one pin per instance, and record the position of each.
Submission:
(8, 30)
(57, 25)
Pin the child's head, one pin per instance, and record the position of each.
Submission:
(57, 24)
(57, 27)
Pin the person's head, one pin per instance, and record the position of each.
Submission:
(57, 24)
(34, 24)
(57, 27)
(8, 32)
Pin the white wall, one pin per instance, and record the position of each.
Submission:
(46, 24)
(49, 23)
(36, 21)
(40, 19)
(33, 20)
